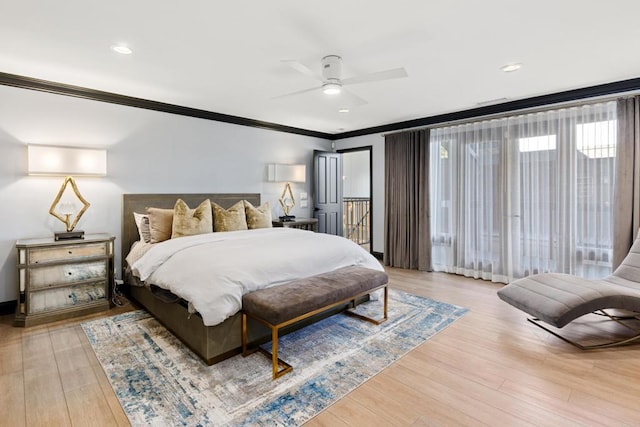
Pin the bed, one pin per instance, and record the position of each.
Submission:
(211, 336)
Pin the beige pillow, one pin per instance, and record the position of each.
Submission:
(231, 219)
(160, 224)
(188, 222)
(259, 217)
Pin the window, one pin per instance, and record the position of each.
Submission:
(525, 194)
(597, 140)
(537, 143)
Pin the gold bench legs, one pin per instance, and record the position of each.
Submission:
(367, 318)
(276, 362)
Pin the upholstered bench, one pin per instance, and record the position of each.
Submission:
(283, 305)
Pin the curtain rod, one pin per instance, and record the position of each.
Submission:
(554, 106)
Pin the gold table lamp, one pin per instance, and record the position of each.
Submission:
(68, 211)
(67, 161)
(287, 174)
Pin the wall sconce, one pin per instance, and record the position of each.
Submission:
(287, 174)
(67, 161)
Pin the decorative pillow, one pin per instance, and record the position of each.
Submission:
(142, 221)
(259, 217)
(188, 222)
(231, 219)
(160, 223)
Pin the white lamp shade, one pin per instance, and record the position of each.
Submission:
(52, 160)
(287, 173)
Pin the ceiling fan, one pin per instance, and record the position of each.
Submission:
(333, 84)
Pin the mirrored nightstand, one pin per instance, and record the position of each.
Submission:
(62, 279)
(310, 224)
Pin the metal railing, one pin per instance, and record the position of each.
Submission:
(357, 218)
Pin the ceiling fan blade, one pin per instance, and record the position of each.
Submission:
(352, 99)
(395, 73)
(297, 93)
(301, 68)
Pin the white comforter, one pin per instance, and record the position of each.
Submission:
(212, 271)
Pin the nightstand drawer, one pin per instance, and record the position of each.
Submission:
(66, 297)
(51, 254)
(54, 275)
(60, 279)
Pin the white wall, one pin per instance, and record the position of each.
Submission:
(147, 152)
(355, 171)
(376, 141)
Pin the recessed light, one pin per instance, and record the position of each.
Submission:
(509, 68)
(122, 49)
(343, 110)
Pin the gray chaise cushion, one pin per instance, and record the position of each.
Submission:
(558, 299)
(279, 304)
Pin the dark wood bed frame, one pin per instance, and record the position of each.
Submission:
(211, 343)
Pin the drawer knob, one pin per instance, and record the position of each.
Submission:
(70, 252)
(70, 273)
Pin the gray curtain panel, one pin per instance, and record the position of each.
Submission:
(627, 190)
(407, 230)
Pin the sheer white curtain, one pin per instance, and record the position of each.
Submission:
(525, 194)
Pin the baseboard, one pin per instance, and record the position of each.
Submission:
(378, 255)
(8, 307)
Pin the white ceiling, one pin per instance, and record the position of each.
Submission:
(226, 56)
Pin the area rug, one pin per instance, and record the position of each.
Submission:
(160, 382)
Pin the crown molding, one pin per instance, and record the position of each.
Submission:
(130, 101)
(505, 107)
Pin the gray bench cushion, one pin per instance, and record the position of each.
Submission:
(279, 304)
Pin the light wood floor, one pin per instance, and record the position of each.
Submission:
(489, 368)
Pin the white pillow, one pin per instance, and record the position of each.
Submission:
(142, 221)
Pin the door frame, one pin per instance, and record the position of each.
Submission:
(368, 148)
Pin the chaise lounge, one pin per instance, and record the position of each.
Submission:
(558, 299)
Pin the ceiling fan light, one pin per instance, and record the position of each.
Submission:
(331, 88)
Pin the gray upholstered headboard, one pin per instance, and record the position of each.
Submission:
(139, 202)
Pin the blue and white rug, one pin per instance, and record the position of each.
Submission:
(160, 382)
